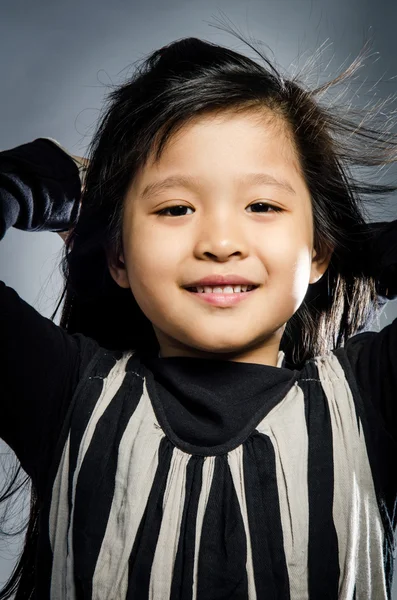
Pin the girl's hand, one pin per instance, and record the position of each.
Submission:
(63, 234)
(81, 161)
(82, 164)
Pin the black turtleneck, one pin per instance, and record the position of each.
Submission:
(211, 403)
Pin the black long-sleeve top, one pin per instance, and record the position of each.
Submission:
(186, 478)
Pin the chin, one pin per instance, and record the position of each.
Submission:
(222, 347)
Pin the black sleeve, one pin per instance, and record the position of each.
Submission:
(40, 364)
(373, 357)
(381, 256)
(39, 188)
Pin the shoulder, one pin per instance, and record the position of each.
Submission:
(325, 368)
(106, 364)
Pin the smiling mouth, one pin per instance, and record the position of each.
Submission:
(225, 290)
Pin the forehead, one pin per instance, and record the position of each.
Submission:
(224, 145)
(261, 127)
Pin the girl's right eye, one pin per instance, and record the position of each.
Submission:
(165, 211)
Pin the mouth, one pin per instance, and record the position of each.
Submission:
(222, 297)
(224, 290)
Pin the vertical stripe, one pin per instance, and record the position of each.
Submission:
(323, 541)
(223, 548)
(58, 524)
(356, 514)
(285, 425)
(208, 475)
(235, 460)
(136, 468)
(381, 452)
(141, 557)
(111, 384)
(167, 543)
(97, 485)
(263, 507)
(89, 391)
(182, 579)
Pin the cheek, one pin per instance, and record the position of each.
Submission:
(152, 260)
(288, 264)
(301, 275)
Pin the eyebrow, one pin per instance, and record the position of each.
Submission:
(190, 181)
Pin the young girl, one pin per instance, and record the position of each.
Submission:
(204, 424)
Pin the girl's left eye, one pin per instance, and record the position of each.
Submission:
(264, 207)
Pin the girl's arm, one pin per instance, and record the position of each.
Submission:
(382, 256)
(372, 355)
(40, 187)
(40, 364)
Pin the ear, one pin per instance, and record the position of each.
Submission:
(320, 262)
(118, 271)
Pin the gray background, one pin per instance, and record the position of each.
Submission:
(58, 59)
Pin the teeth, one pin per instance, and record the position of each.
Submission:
(228, 289)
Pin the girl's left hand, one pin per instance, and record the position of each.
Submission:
(63, 234)
(82, 164)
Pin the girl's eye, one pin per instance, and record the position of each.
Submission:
(176, 211)
(265, 207)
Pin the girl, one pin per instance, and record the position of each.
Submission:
(204, 423)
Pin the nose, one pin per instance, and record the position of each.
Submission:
(221, 239)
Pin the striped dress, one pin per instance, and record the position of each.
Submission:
(291, 501)
(190, 479)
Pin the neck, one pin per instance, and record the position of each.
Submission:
(261, 354)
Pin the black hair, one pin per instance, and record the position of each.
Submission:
(175, 84)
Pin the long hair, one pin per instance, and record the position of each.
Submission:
(175, 84)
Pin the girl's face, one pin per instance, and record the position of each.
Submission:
(237, 206)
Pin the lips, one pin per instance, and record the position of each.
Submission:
(221, 281)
